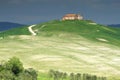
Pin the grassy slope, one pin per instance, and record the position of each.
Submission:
(71, 46)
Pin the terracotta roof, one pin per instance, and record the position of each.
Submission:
(70, 15)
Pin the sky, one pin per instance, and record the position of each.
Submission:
(37, 11)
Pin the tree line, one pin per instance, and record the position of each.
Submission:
(13, 70)
(57, 75)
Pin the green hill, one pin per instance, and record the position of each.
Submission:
(68, 46)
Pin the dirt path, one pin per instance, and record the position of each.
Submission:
(31, 30)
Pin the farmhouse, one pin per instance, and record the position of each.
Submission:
(72, 17)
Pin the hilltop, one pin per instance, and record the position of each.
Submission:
(69, 46)
(85, 28)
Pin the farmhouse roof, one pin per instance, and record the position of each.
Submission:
(70, 15)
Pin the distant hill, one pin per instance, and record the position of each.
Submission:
(9, 25)
(115, 25)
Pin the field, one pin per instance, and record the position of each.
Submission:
(69, 46)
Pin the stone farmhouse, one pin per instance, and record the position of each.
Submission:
(72, 17)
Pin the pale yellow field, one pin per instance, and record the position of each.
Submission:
(73, 54)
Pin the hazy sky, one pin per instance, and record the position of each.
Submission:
(36, 11)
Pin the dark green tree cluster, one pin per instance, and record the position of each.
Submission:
(13, 70)
(57, 75)
(92, 77)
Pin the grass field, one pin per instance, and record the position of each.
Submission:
(68, 46)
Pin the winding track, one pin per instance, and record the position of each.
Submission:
(31, 30)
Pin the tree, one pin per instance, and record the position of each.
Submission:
(84, 76)
(94, 77)
(56, 75)
(88, 77)
(51, 73)
(64, 76)
(24, 76)
(78, 76)
(14, 65)
(60, 74)
(72, 76)
(32, 73)
(13, 70)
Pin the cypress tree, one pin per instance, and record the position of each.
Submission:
(78, 76)
(72, 76)
(51, 73)
(64, 76)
